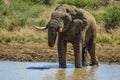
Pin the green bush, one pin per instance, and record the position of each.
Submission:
(112, 17)
(80, 3)
(98, 16)
(49, 2)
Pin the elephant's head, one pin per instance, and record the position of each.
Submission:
(58, 23)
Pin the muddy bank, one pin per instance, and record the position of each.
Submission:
(41, 52)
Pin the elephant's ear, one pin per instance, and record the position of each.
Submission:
(80, 23)
(67, 17)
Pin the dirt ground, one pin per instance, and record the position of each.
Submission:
(40, 52)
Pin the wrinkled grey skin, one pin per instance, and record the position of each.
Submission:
(79, 28)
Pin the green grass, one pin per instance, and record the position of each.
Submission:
(21, 13)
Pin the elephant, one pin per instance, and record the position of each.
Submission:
(76, 26)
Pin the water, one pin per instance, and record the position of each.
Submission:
(50, 71)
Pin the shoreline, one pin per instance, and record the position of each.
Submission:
(40, 52)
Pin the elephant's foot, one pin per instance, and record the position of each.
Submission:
(62, 65)
(77, 65)
(84, 63)
(94, 63)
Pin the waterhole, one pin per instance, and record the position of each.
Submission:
(51, 71)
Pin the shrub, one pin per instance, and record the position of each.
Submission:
(112, 17)
(86, 3)
(49, 2)
(1, 2)
(71, 2)
(98, 16)
(104, 2)
(80, 3)
(33, 1)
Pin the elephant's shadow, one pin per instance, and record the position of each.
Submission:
(48, 66)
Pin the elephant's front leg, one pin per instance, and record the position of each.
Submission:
(62, 53)
(84, 55)
(78, 54)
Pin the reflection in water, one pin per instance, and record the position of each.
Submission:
(61, 74)
(86, 73)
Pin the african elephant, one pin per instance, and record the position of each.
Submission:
(76, 26)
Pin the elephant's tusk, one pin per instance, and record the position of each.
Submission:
(60, 29)
(40, 28)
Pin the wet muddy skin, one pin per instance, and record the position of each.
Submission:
(50, 71)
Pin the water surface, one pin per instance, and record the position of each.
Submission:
(50, 71)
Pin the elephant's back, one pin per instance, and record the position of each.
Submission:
(66, 8)
(86, 14)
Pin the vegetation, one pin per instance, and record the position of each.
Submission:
(1, 2)
(47, 2)
(17, 18)
(22, 35)
(22, 13)
(80, 3)
(112, 17)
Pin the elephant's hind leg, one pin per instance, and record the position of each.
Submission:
(91, 50)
